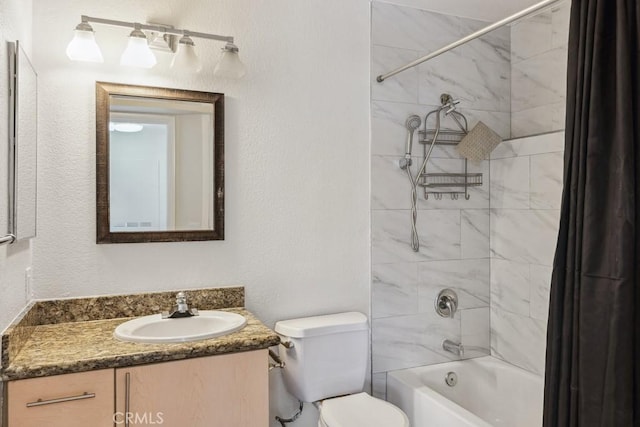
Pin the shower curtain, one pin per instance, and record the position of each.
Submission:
(593, 339)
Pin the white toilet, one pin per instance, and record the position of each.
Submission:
(326, 363)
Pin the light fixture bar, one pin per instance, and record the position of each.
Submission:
(157, 28)
(138, 54)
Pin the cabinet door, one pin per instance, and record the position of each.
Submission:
(70, 400)
(229, 390)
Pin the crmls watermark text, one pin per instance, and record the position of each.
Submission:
(144, 418)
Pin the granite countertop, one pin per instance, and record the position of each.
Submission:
(76, 346)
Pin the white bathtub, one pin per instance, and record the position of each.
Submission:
(489, 392)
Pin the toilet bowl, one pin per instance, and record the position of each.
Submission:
(360, 410)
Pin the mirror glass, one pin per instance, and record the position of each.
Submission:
(162, 152)
(23, 145)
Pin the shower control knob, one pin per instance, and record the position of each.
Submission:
(446, 303)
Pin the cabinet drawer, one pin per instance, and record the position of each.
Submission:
(70, 400)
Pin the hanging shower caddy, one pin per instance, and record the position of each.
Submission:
(457, 184)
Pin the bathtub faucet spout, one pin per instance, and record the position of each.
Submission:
(453, 347)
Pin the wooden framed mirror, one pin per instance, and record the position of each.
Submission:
(159, 164)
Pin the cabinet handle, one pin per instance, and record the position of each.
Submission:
(127, 395)
(41, 402)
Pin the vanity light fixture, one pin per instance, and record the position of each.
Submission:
(83, 47)
(230, 65)
(138, 53)
(186, 58)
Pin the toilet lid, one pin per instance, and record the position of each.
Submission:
(361, 410)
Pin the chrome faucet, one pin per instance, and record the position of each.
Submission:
(181, 309)
(453, 347)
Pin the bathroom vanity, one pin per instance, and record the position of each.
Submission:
(225, 390)
(74, 372)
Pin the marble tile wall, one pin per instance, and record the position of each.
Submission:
(526, 189)
(454, 234)
(538, 71)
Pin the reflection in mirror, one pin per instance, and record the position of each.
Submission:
(163, 156)
(23, 144)
(156, 184)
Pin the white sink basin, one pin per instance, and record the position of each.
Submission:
(155, 329)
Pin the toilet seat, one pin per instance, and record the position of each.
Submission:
(360, 410)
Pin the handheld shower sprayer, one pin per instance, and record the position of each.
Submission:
(413, 122)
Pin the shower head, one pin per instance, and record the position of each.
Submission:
(413, 122)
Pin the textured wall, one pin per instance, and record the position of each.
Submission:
(15, 24)
(454, 234)
(297, 166)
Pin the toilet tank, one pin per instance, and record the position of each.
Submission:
(328, 357)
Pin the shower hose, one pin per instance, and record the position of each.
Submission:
(415, 240)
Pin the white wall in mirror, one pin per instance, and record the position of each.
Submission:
(139, 173)
(161, 161)
(194, 159)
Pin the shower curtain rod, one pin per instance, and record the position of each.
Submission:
(9, 238)
(531, 9)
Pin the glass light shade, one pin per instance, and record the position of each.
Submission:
(186, 59)
(229, 66)
(138, 54)
(83, 47)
